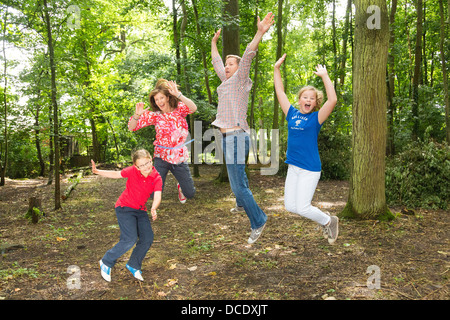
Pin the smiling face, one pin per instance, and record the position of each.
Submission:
(162, 102)
(231, 66)
(307, 101)
(144, 165)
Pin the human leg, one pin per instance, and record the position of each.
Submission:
(128, 236)
(300, 187)
(182, 173)
(162, 167)
(145, 239)
(235, 149)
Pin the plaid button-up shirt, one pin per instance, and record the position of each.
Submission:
(233, 93)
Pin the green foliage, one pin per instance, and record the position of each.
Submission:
(22, 158)
(419, 176)
(335, 154)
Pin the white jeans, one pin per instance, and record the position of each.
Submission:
(299, 190)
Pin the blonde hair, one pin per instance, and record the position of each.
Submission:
(238, 59)
(319, 96)
(162, 87)
(139, 154)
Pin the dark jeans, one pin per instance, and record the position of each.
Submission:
(236, 148)
(180, 171)
(135, 228)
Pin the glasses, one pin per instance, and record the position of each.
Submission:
(144, 165)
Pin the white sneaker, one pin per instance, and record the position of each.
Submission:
(255, 234)
(332, 229)
(136, 273)
(106, 271)
(237, 209)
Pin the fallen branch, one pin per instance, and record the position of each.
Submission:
(72, 186)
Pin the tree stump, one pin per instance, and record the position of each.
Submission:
(34, 209)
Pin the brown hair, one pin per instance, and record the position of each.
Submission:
(319, 96)
(162, 87)
(139, 154)
(238, 59)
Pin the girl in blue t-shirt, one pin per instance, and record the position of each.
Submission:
(302, 153)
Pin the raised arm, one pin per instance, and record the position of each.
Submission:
(329, 105)
(263, 27)
(214, 50)
(137, 114)
(105, 173)
(173, 90)
(216, 58)
(279, 87)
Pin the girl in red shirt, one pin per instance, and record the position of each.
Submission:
(131, 212)
(169, 110)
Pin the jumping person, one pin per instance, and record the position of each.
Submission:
(170, 108)
(131, 212)
(302, 153)
(231, 120)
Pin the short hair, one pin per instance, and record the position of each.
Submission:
(238, 59)
(162, 87)
(139, 154)
(319, 96)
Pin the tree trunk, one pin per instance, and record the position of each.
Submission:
(444, 66)
(186, 78)
(202, 51)
(175, 37)
(390, 148)
(417, 74)
(4, 154)
(344, 44)
(230, 30)
(275, 124)
(367, 198)
(55, 106)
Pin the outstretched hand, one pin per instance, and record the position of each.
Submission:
(266, 23)
(321, 71)
(216, 36)
(280, 61)
(173, 88)
(94, 168)
(140, 108)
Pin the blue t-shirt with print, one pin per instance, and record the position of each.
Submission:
(302, 147)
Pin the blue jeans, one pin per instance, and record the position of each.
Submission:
(180, 171)
(135, 228)
(235, 151)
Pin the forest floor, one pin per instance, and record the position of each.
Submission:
(200, 250)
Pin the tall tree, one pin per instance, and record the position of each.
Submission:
(390, 149)
(4, 143)
(279, 51)
(51, 53)
(230, 31)
(417, 70)
(367, 199)
(444, 66)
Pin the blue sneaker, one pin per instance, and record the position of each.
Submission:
(106, 271)
(136, 273)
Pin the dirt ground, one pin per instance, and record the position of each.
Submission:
(200, 251)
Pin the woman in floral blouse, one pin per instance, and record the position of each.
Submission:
(169, 110)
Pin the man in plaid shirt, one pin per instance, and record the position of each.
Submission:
(231, 119)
